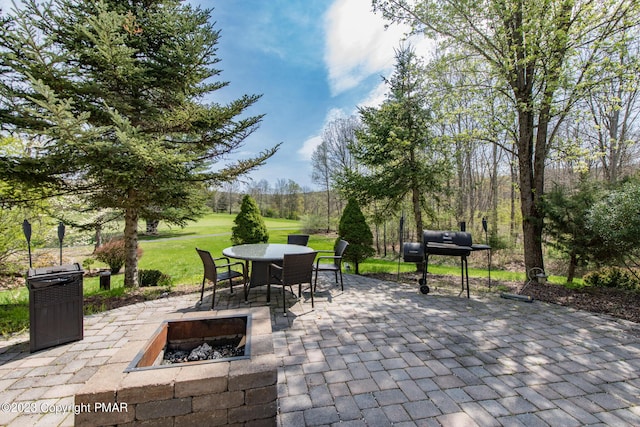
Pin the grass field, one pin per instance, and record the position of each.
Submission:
(172, 252)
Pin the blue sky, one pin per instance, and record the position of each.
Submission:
(312, 61)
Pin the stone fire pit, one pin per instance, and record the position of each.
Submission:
(135, 389)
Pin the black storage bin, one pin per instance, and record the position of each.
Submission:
(413, 252)
(55, 305)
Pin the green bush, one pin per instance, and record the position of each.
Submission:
(354, 229)
(612, 277)
(498, 243)
(113, 254)
(312, 224)
(250, 227)
(153, 278)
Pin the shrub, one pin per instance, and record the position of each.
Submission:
(113, 254)
(88, 263)
(312, 224)
(250, 227)
(354, 229)
(153, 278)
(612, 277)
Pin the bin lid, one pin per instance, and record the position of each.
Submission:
(43, 272)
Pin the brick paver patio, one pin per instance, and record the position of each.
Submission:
(381, 353)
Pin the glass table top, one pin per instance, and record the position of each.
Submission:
(264, 251)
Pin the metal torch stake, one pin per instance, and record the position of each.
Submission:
(26, 229)
(60, 237)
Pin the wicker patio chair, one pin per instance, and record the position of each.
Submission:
(298, 239)
(335, 266)
(211, 273)
(296, 269)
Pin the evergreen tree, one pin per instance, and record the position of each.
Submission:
(395, 145)
(250, 227)
(111, 94)
(567, 216)
(615, 221)
(354, 229)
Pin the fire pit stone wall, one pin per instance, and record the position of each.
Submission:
(238, 392)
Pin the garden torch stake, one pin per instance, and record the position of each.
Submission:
(60, 237)
(26, 229)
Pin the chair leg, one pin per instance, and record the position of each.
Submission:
(315, 283)
(311, 291)
(284, 302)
(213, 297)
(204, 279)
(231, 285)
(341, 282)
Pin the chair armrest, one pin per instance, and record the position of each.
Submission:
(229, 265)
(328, 257)
(333, 257)
(325, 251)
(271, 274)
(224, 258)
(276, 266)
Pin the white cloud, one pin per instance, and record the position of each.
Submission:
(376, 97)
(308, 147)
(357, 44)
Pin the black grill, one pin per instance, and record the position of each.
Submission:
(446, 243)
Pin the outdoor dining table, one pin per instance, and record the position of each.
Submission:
(261, 255)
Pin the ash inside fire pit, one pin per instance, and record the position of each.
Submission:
(197, 340)
(219, 349)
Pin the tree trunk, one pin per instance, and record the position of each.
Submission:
(614, 146)
(573, 263)
(530, 191)
(328, 209)
(98, 237)
(384, 239)
(512, 216)
(462, 189)
(494, 192)
(131, 248)
(417, 215)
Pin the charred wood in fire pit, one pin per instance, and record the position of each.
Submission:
(206, 351)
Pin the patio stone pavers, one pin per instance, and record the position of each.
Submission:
(381, 353)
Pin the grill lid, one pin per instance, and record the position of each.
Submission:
(459, 238)
(453, 243)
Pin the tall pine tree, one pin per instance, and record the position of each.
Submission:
(395, 145)
(110, 96)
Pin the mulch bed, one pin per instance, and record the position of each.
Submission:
(618, 303)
